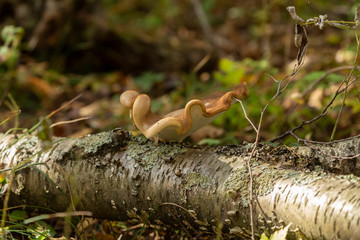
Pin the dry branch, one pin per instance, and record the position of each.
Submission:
(117, 176)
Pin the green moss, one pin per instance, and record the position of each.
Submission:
(264, 183)
(197, 179)
(238, 182)
(351, 178)
(93, 143)
(304, 178)
(238, 179)
(147, 153)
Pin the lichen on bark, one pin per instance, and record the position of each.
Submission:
(147, 153)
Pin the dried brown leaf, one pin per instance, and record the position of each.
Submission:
(301, 42)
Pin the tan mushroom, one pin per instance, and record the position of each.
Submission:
(179, 124)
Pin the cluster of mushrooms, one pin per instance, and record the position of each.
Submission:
(177, 125)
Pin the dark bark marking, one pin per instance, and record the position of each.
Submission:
(332, 212)
(338, 235)
(329, 188)
(334, 199)
(300, 202)
(325, 214)
(316, 214)
(277, 196)
(306, 201)
(342, 207)
(317, 193)
(352, 199)
(287, 195)
(157, 178)
(342, 190)
(285, 188)
(296, 196)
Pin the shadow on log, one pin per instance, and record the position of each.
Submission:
(120, 177)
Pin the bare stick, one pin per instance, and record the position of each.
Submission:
(70, 121)
(243, 108)
(323, 113)
(248, 161)
(345, 94)
(307, 143)
(65, 105)
(322, 77)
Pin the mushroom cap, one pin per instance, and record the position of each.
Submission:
(127, 98)
(177, 125)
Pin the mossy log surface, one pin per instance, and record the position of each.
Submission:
(117, 176)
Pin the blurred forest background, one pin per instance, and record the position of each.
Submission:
(173, 50)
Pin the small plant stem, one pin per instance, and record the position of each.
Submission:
(6, 202)
(257, 130)
(247, 118)
(251, 183)
(346, 91)
(323, 113)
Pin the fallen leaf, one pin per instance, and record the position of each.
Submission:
(315, 98)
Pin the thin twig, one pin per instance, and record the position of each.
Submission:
(64, 106)
(315, 83)
(177, 205)
(307, 143)
(202, 62)
(70, 121)
(279, 90)
(58, 215)
(334, 141)
(323, 113)
(322, 77)
(243, 108)
(345, 94)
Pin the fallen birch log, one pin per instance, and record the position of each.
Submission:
(120, 177)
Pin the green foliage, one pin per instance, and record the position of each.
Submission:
(140, 17)
(315, 75)
(278, 235)
(44, 131)
(35, 231)
(17, 215)
(231, 73)
(209, 141)
(147, 80)
(3, 182)
(264, 237)
(40, 231)
(9, 52)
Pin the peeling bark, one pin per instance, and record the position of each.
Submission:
(120, 177)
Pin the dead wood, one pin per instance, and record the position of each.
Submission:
(120, 177)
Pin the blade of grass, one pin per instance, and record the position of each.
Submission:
(57, 215)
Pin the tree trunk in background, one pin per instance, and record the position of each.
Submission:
(120, 177)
